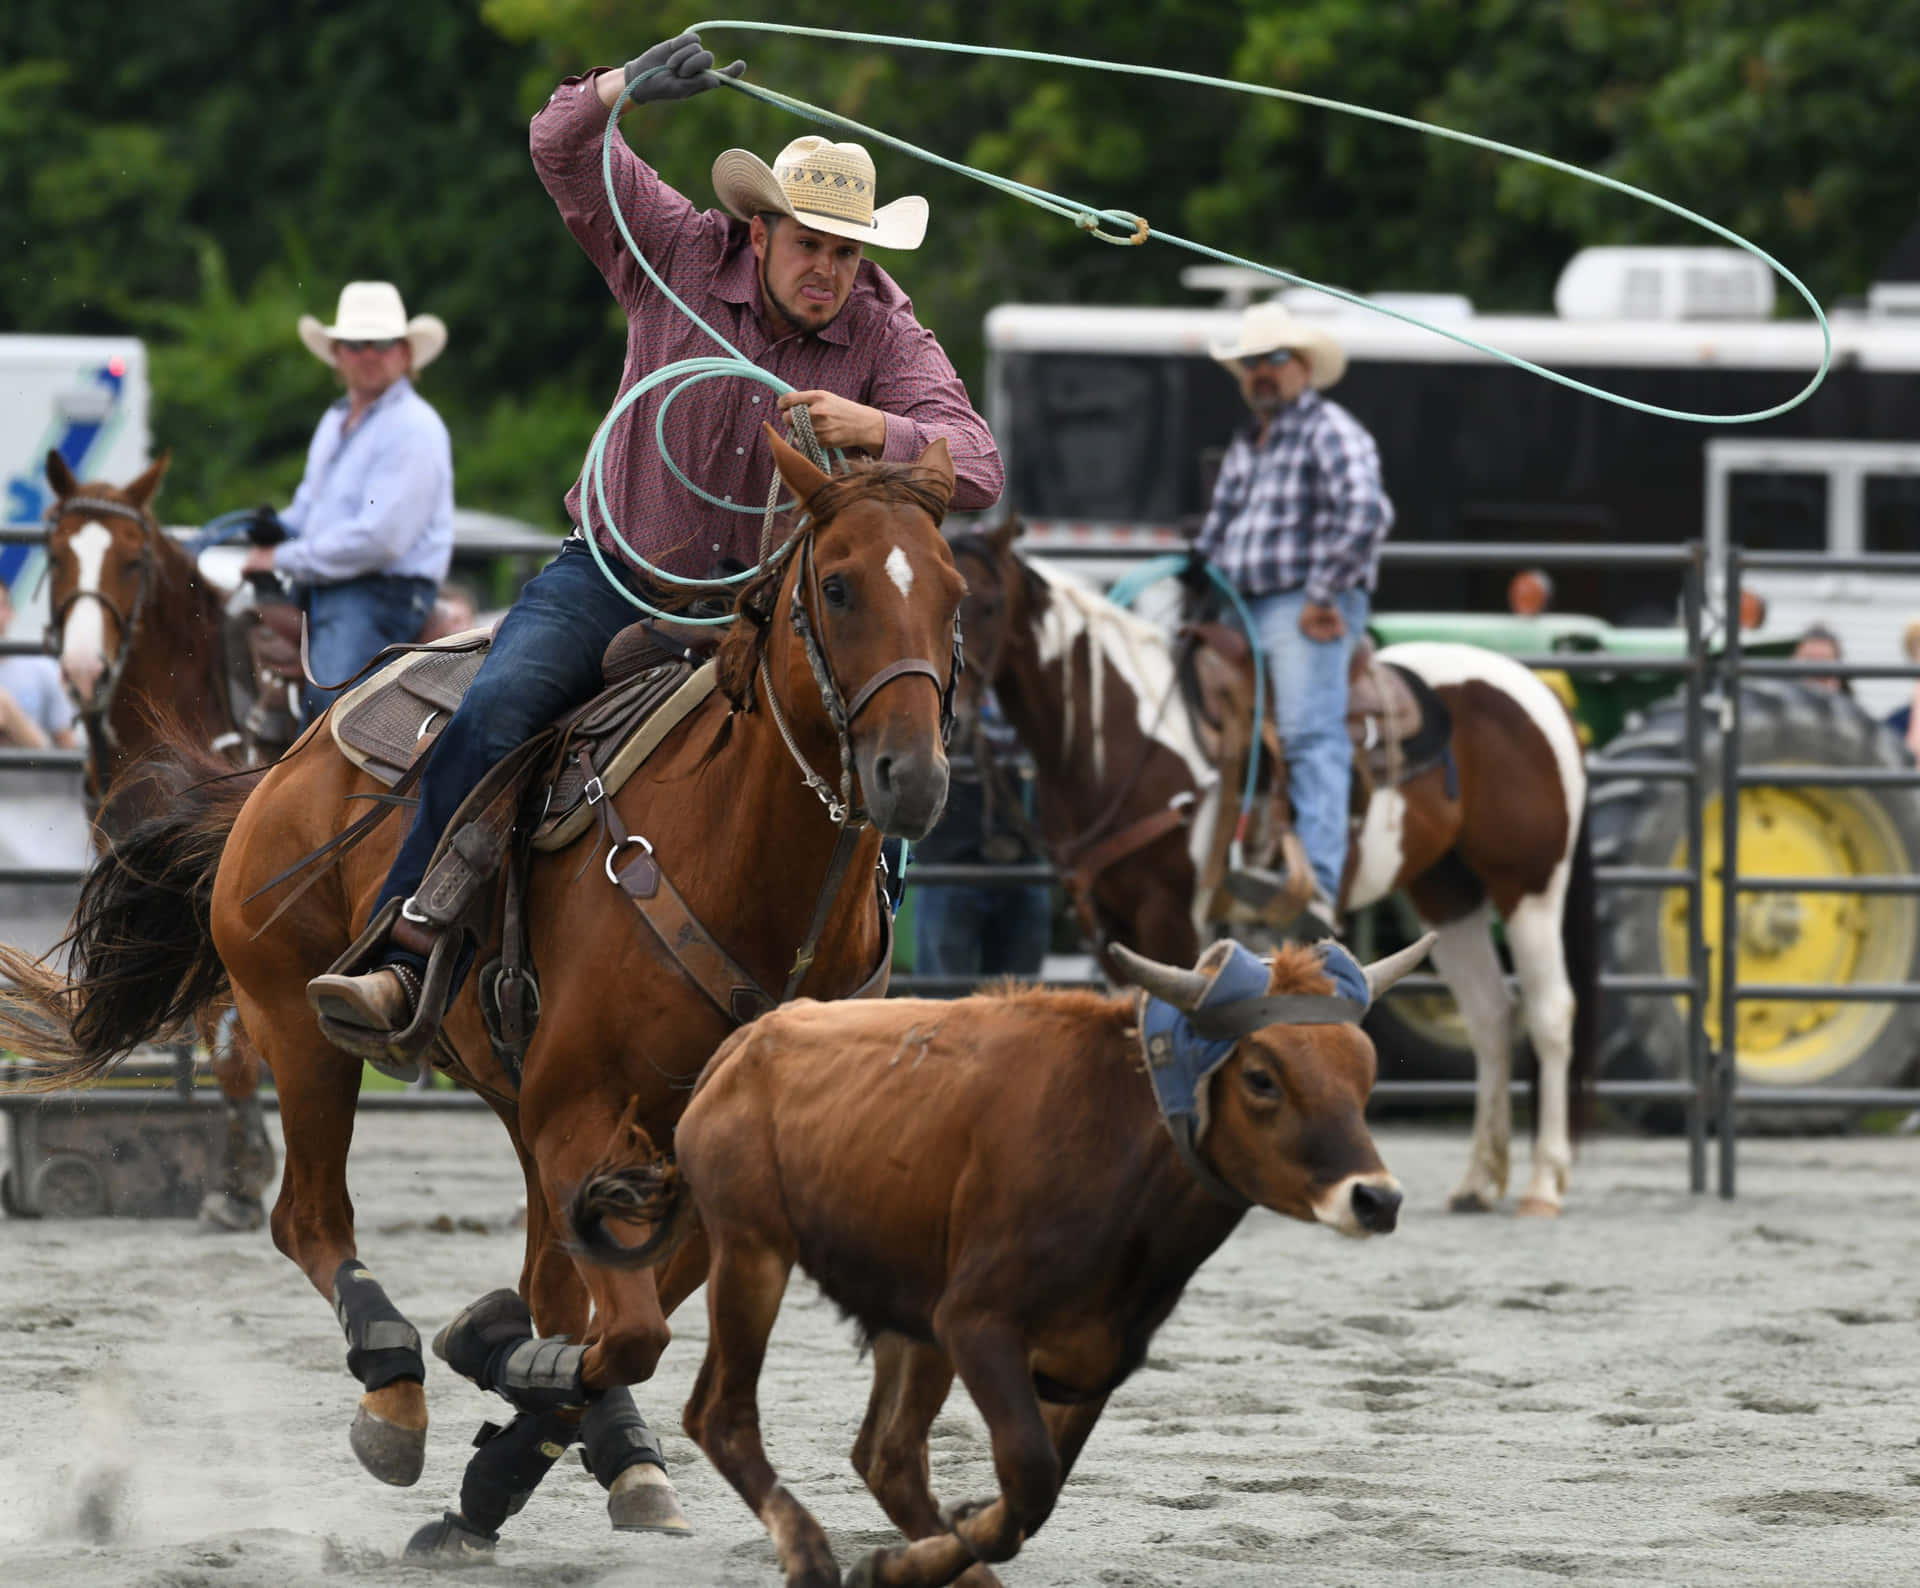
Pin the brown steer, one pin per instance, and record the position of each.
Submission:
(987, 1186)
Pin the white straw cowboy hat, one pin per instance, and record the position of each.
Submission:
(825, 186)
(1269, 327)
(371, 311)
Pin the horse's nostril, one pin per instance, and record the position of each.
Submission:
(883, 773)
(1376, 1207)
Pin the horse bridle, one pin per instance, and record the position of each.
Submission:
(840, 711)
(97, 717)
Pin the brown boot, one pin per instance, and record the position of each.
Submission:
(380, 1003)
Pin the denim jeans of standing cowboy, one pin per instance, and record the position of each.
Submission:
(980, 931)
(350, 623)
(1307, 680)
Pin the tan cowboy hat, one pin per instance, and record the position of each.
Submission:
(825, 186)
(371, 311)
(1268, 327)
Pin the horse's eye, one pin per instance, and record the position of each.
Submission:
(834, 588)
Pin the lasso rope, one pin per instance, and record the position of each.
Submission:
(1130, 229)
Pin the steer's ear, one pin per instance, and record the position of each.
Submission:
(1383, 973)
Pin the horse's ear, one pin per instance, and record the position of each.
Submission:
(802, 478)
(60, 477)
(145, 485)
(1003, 534)
(937, 464)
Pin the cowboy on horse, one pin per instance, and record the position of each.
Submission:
(782, 273)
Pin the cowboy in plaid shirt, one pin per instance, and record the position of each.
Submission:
(1297, 521)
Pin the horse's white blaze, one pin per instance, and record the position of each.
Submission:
(1381, 849)
(83, 650)
(1136, 650)
(900, 571)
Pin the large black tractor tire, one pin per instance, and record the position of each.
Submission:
(1811, 937)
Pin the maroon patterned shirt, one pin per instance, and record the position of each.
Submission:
(875, 353)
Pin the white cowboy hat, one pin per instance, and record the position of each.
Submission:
(1268, 327)
(825, 186)
(371, 311)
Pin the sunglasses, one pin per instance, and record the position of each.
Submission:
(1273, 360)
(385, 346)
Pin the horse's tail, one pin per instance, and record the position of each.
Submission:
(650, 1192)
(141, 944)
(1580, 943)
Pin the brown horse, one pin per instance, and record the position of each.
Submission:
(1497, 829)
(138, 634)
(726, 815)
(137, 631)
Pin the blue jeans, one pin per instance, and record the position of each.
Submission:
(350, 623)
(980, 931)
(1308, 683)
(544, 660)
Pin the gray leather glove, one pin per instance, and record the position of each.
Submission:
(686, 62)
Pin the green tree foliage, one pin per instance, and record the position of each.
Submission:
(203, 172)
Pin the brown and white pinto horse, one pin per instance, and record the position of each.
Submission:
(1091, 690)
(721, 806)
(138, 635)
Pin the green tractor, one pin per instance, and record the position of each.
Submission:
(1797, 831)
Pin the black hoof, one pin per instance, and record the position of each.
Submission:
(451, 1542)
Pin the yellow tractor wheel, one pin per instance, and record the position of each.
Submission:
(1820, 937)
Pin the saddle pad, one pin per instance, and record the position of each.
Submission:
(572, 814)
(382, 724)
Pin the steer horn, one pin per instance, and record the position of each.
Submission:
(1383, 973)
(1184, 989)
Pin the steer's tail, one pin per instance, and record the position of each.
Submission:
(140, 951)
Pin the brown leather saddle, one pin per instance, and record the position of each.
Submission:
(653, 681)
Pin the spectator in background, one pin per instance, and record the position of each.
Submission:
(1901, 722)
(977, 931)
(1821, 644)
(370, 530)
(34, 709)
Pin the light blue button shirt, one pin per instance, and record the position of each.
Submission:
(378, 500)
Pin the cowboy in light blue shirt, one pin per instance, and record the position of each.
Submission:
(371, 527)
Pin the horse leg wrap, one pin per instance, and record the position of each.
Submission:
(614, 1436)
(492, 1342)
(538, 1375)
(507, 1466)
(381, 1345)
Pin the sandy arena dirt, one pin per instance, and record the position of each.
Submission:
(1657, 1389)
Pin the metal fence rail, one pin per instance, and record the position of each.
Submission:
(1709, 1090)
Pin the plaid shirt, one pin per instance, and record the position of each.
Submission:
(875, 353)
(1304, 508)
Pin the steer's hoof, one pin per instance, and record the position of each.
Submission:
(1468, 1202)
(642, 1500)
(393, 1452)
(451, 1541)
(1537, 1208)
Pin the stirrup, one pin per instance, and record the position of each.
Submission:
(398, 1054)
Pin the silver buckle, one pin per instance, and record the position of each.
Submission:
(410, 912)
(594, 790)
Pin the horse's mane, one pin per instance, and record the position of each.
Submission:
(864, 479)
